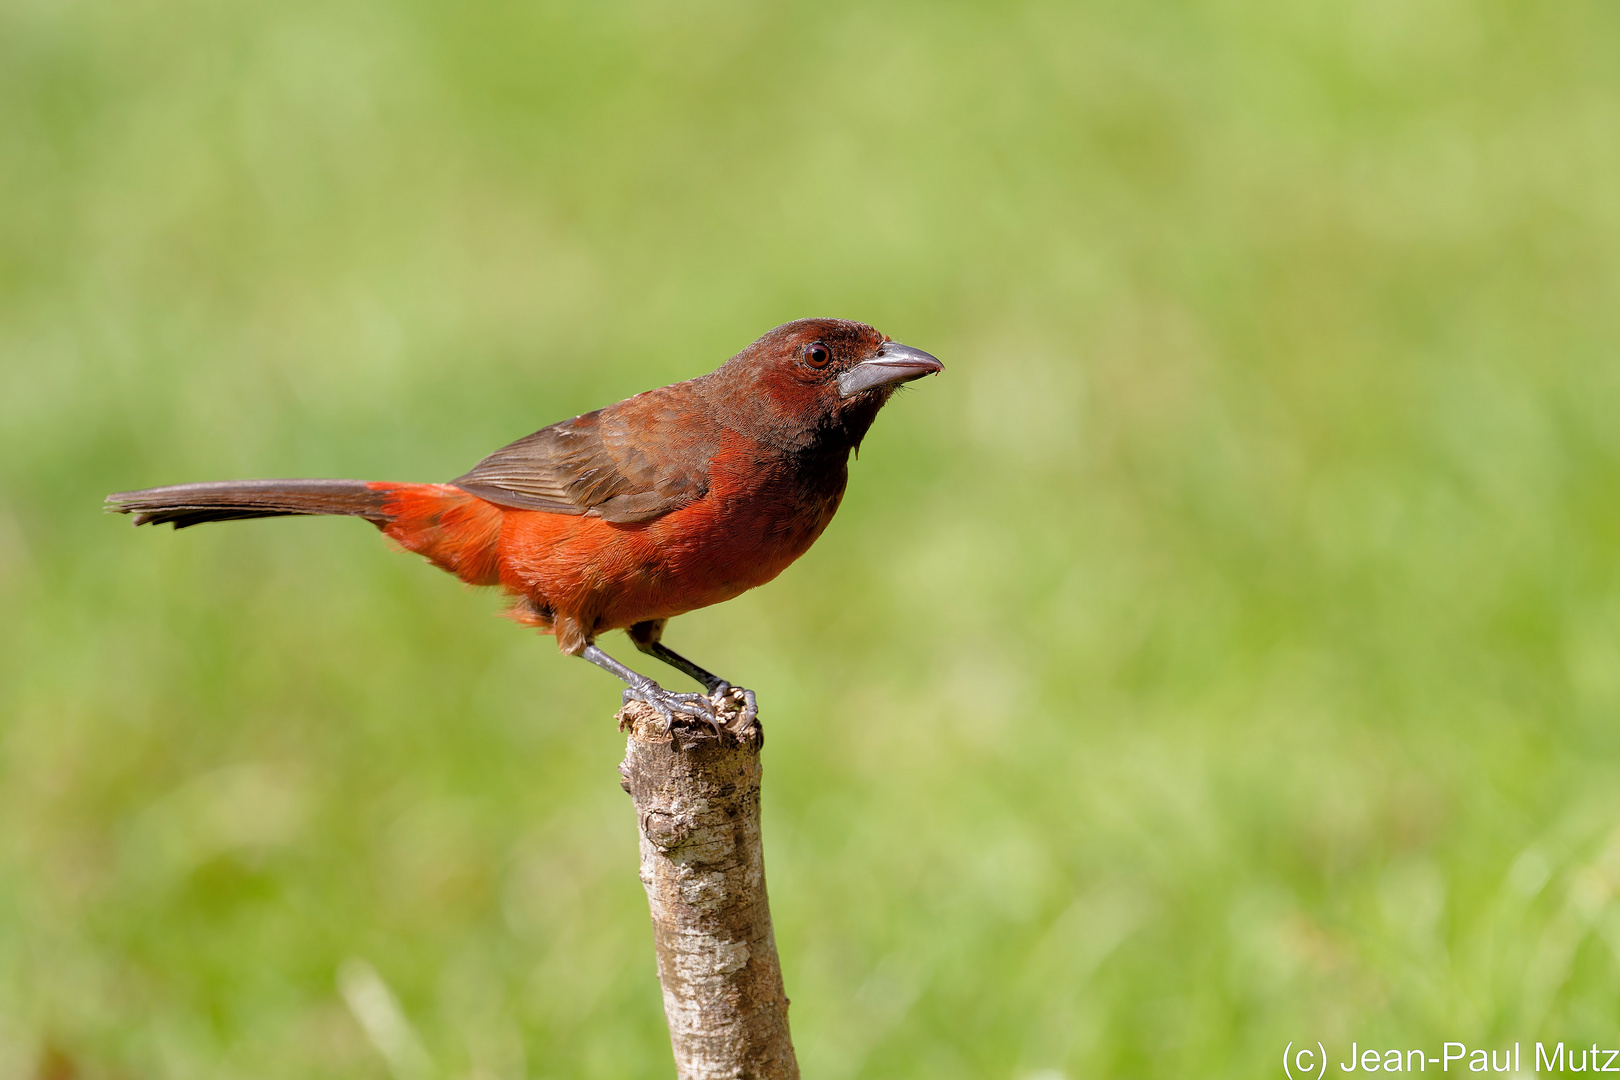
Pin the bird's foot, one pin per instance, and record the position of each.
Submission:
(727, 709)
(737, 700)
(669, 704)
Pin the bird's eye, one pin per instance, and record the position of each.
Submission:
(818, 355)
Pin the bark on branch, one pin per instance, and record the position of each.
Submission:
(697, 802)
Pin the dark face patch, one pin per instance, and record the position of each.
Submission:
(791, 375)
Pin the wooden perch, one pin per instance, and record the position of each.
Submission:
(697, 801)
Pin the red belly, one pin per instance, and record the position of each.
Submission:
(581, 576)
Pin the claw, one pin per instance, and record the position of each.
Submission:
(669, 704)
(725, 694)
(722, 696)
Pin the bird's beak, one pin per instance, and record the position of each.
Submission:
(894, 363)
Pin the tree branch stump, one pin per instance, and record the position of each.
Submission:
(697, 803)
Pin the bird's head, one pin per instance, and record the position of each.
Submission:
(818, 382)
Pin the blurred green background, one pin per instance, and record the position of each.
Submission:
(1224, 651)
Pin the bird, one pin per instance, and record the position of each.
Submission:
(623, 518)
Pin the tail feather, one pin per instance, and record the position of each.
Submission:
(457, 531)
(185, 505)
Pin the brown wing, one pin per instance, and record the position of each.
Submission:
(633, 461)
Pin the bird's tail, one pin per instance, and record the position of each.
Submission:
(185, 505)
(454, 529)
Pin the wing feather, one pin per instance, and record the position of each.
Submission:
(634, 461)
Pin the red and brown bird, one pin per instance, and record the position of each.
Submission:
(622, 518)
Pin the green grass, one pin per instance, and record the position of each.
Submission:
(1224, 651)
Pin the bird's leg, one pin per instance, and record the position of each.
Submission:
(647, 635)
(717, 687)
(667, 703)
(711, 682)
